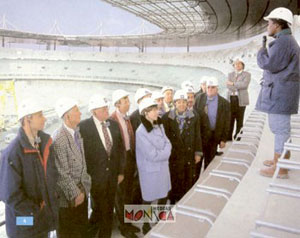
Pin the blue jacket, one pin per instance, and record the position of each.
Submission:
(28, 185)
(280, 87)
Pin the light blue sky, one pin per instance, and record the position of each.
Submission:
(74, 17)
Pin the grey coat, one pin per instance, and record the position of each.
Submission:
(72, 172)
(280, 87)
(241, 83)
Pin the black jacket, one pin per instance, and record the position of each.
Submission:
(135, 119)
(184, 145)
(222, 121)
(199, 93)
(102, 168)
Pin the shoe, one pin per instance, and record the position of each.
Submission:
(146, 228)
(269, 172)
(132, 228)
(270, 163)
(219, 153)
(128, 234)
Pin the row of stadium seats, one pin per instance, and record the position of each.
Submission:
(280, 217)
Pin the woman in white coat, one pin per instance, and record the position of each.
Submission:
(153, 150)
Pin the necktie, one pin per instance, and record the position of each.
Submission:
(108, 143)
(77, 140)
(130, 132)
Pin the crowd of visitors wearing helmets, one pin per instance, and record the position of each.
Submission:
(153, 155)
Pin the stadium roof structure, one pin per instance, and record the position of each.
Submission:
(182, 22)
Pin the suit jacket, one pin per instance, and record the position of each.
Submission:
(222, 121)
(100, 166)
(69, 160)
(130, 130)
(135, 120)
(241, 83)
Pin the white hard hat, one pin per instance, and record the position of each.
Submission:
(281, 13)
(28, 106)
(186, 84)
(147, 102)
(140, 93)
(189, 90)
(157, 95)
(180, 94)
(204, 79)
(118, 94)
(166, 88)
(63, 105)
(212, 81)
(97, 101)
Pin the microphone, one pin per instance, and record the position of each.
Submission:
(264, 42)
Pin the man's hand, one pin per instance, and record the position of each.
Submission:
(229, 83)
(79, 199)
(222, 144)
(197, 159)
(120, 178)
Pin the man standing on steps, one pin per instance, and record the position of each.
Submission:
(279, 95)
(237, 94)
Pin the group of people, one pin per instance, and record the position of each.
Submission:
(154, 154)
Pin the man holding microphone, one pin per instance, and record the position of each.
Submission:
(279, 95)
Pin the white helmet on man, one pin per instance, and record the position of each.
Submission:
(166, 88)
(281, 13)
(186, 84)
(180, 94)
(140, 93)
(118, 94)
(189, 90)
(212, 81)
(97, 101)
(204, 79)
(64, 104)
(147, 102)
(157, 95)
(28, 106)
